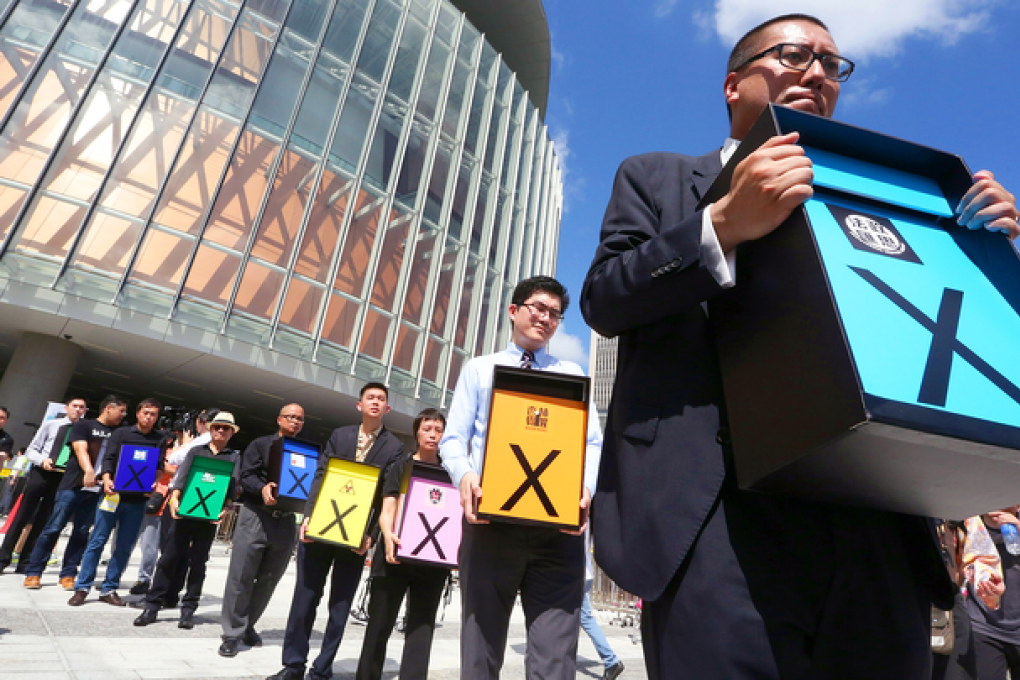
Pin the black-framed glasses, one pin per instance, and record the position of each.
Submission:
(800, 58)
(540, 310)
(296, 419)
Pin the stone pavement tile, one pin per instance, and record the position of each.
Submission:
(17, 674)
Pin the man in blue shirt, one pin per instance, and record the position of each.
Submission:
(545, 565)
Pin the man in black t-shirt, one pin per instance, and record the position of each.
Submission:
(77, 495)
(123, 510)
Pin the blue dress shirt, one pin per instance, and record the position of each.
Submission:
(463, 443)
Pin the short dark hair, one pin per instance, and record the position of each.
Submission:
(112, 400)
(207, 414)
(374, 386)
(427, 414)
(149, 402)
(748, 45)
(540, 284)
(77, 399)
(7, 411)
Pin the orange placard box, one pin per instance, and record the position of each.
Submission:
(534, 449)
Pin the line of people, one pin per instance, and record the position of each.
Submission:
(497, 561)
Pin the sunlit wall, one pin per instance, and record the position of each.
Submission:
(355, 183)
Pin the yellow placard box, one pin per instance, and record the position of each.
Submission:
(534, 449)
(344, 507)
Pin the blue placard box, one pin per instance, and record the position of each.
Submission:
(292, 464)
(137, 469)
(864, 346)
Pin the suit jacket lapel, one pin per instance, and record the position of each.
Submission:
(704, 172)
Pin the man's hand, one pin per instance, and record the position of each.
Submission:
(470, 491)
(303, 530)
(987, 205)
(90, 478)
(47, 464)
(585, 509)
(108, 485)
(174, 503)
(392, 543)
(223, 514)
(366, 544)
(766, 187)
(267, 494)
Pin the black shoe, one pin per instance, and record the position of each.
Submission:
(288, 674)
(147, 616)
(139, 588)
(313, 675)
(186, 621)
(251, 638)
(614, 671)
(229, 647)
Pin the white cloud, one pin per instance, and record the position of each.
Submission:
(663, 8)
(863, 28)
(570, 347)
(573, 187)
(865, 94)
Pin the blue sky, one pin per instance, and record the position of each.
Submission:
(646, 75)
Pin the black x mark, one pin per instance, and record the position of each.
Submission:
(201, 501)
(135, 477)
(532, 481)
(944, 343)
(339, 520)
(298, 483)
(431, 536)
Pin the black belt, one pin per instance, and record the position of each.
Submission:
(275, 514)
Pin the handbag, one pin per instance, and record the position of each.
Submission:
(154, 504)
(943, 633)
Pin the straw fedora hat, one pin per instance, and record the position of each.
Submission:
(225, 418)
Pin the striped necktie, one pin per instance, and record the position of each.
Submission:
(528, 359)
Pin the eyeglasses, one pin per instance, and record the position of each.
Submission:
(540, 310)
(297, 419)
(218, 428)
(800, 58)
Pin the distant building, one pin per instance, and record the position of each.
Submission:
(241, 204)
(602, 369)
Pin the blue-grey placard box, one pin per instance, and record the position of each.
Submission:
(868, 346)
(292, 465)
(137, 469)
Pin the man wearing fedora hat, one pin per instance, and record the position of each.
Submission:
(191, 539)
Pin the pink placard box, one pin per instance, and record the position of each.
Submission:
(432, 517)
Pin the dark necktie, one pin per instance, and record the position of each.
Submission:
(528, 359)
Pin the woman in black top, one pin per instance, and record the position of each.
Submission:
(390, 579)
(995, 645)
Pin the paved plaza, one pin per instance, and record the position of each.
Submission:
(42, 637)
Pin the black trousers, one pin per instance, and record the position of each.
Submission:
(36, 506)
(424, 588)
(777, 588)
(186, 553)
(314, 562)
(547, 567)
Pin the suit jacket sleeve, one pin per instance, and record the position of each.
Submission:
(648, 265)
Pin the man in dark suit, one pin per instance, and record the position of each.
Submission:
(368, 443)
(736, 584)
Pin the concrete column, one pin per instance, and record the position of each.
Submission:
(39, 372)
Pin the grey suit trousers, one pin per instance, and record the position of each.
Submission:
(262, 548)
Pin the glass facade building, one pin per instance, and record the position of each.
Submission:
(355, 184)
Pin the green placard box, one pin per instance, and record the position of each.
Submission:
(61, 450)
(206, 488)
